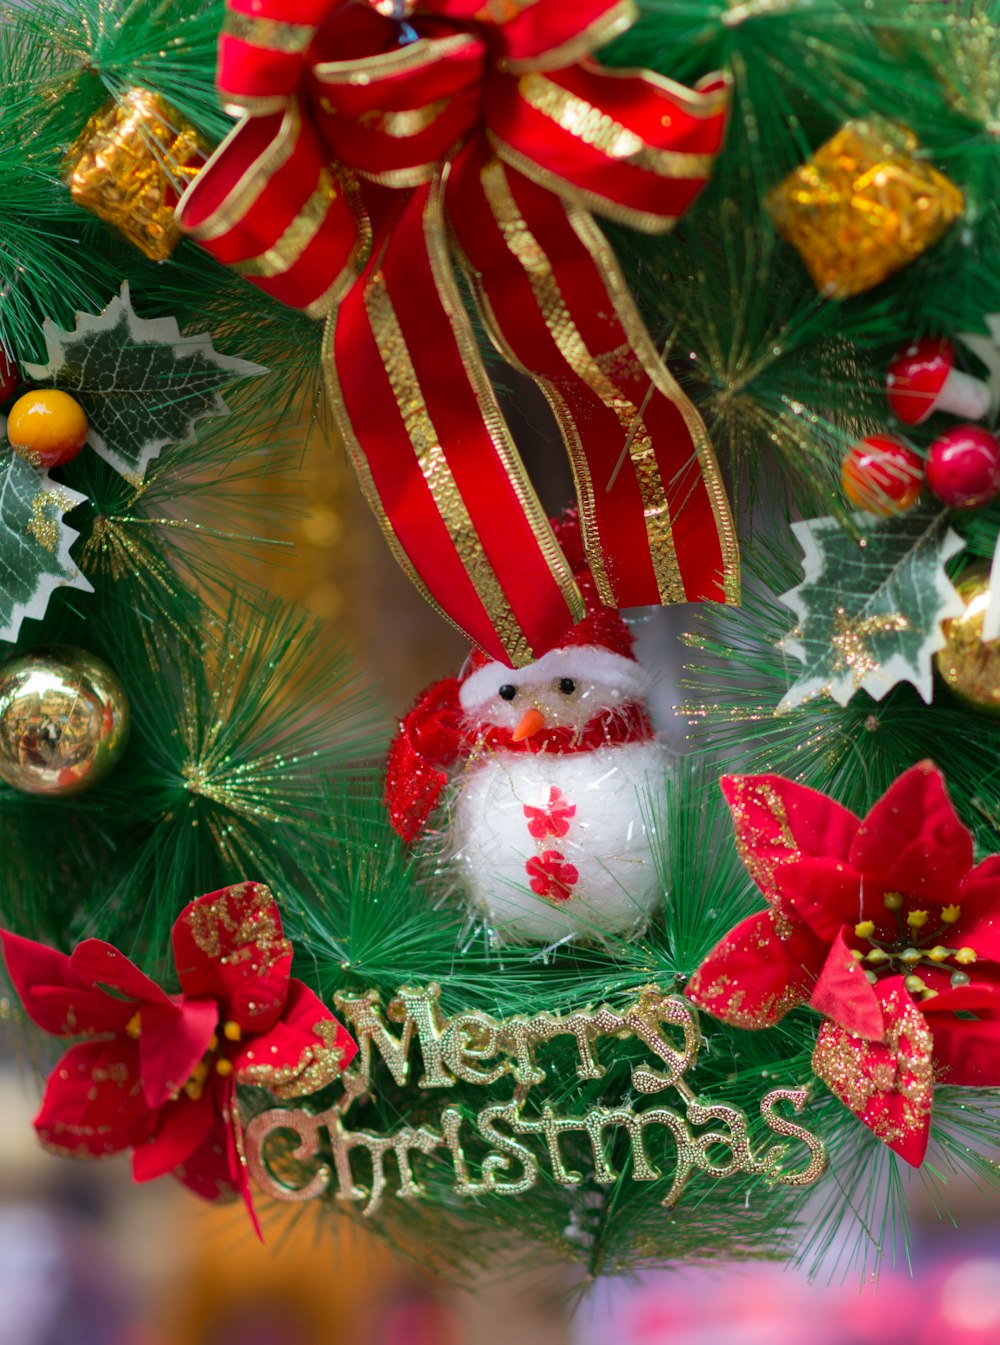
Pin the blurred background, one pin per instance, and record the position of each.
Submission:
(86, 1258)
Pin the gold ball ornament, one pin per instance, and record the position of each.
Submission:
(63, 721)
(47, 427)
(968, 663)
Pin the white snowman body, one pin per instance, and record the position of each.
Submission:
(556, 844)
(594, 863)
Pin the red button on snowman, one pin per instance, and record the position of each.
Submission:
(546, 782)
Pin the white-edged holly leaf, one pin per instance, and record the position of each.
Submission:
(870, 607)
(142, 384)
(988, 350)
(991, 617)
(34, 541)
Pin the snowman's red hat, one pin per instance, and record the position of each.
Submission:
(598, 649)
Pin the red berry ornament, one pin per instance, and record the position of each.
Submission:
(47, 427)
(882, 475)
(10, 376)
(963, 467)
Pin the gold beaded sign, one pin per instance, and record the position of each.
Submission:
(474, 1048)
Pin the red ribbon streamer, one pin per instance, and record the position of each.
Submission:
(385, 144)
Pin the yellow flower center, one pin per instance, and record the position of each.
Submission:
(906, 952)
(222, 1065)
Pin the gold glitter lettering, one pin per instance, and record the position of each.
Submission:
(478, 1049)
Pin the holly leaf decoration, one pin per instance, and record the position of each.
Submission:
(870, 606)
(142, 384)
(34, 541)
(991, 617)
(987, 348)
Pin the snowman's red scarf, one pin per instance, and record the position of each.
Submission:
(436, 734)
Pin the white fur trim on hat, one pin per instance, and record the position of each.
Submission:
(585, 663)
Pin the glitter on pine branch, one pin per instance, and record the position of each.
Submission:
(232, 735)
(859, 1219)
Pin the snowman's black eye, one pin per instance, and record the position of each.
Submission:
(567, 686)
(507, 692)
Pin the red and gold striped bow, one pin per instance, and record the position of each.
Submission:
(385, 144)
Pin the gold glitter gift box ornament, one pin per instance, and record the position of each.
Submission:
(863, 207)
(130, 165)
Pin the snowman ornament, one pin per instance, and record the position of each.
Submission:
(547, 781)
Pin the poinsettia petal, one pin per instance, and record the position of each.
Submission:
(974, 998)
(978, 926)
(912, 841)
(211, 1168)
(777, 820)
(181, 1128)
(171, 1043)
(229, 946)
(98, 963)
(966, 1050)
(764, 967)
(206, 1171)
(304, 1052)
(824, 894)
(61, 993)
(93, 1104)
(238, 1154)
(83, 1013)
(844, 993)
(987, 870)
(888, 1085)
(34, 967)
(217, 1170)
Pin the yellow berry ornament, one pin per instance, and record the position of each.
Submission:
(47, 427)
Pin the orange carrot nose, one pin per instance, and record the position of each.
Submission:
(531, 722)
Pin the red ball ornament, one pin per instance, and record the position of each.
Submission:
(882, 475)
(963, 467)
(10, 376)
(47, 427)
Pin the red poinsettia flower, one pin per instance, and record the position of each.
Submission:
(884, 926)
(551, 876)
(552, 818)
(157, 1073)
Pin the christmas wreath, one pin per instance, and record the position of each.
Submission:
(558, 987)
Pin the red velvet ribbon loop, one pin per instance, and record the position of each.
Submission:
(416, 104)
